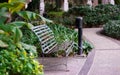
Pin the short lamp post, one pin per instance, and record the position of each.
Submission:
(79, 22)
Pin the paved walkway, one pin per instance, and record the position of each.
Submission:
(74, 66)
(103, 60)
(107, 54)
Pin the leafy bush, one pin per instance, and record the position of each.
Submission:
(30, 38)
(111, 11)
(63, 33)
(17, 58)
(49, 7)
(79, 10)
(86, 47)
(18, 62)
(112, 28)
(94, 16)
(53, 14)
(117, 1)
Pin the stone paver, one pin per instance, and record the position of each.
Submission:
(107, 53)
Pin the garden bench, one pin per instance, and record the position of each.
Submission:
(48, 43)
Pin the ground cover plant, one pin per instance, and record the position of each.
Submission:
(63, 33)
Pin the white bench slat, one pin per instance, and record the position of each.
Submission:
(50, 47)
(46, 37)
(40, 26)
(44, 34)
(47, 43)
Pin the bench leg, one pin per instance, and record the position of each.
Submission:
(43, 57)
(66, 64)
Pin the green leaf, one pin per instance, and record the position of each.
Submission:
(17, 7)
(46, 20)
(3, 44)
(29, 25)
(2, 32)
(27, 15)
(12, 1)
(17, 34)
(6, 28)
(7, 5)
(31, 49)
(18, 24)
(29, 66)
(3, 15)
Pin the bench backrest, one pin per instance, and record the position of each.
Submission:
(46, 37)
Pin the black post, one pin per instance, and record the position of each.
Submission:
(79, 26)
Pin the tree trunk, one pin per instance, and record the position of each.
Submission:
(42, 7)
(84, 2)
(58, 3)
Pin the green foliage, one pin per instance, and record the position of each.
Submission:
(117, 1)
(49, 6)
(63, 33)
(31, 16)
(13, 51)
(24, 64)
(55, 14)
(87, 47)
(17, 58)
(30, 38)
(95, 16)
(3, 45)
(3, 15)
(13, 5)
(112, 28)
(52, 6)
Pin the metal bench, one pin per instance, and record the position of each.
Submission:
(48, 43)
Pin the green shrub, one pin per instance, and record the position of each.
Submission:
(86, 47)
(69, 17)
(112, 28)
(95, 16)
(30, 38)
(117, 1)
(111, 11)
(17, 58)
(18, 62)
(53, 14)
(79, 10)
